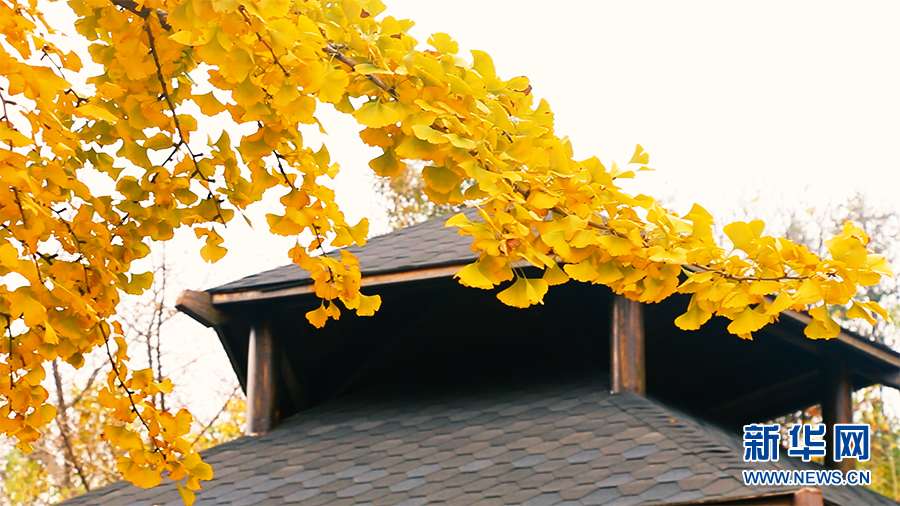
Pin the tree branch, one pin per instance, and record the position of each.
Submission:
(144, 12)
(243, 11)
(88, 385)
(128, 391)
(211, 422)
(332, 49)
(62, 420)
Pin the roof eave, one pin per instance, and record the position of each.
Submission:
(220, 299)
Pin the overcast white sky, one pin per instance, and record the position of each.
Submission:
(790, 98)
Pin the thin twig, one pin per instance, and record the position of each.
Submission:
(78, 98)
(88, 385)
(5, 117)
(128, 391)
(182, 139)
(733, 277)
(159, 321)
(243, 11)
(165, 93)
(211, 422)
(62, 420)
(12, 379)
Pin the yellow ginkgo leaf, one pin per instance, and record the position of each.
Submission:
(317, 317)
(12, 136)
(212, 253)
(441, 179)
(554, 275)
(857, 311)
(443, 43)
(744, 234)
(472, 276)
(524, 293)
(143, 477)
(583, 271)
(818, 329)
(640, 156)
(186, 495)
(542, 200)
(388, 164)
(378, 114)
(747, 321)
(22, 303)
(94, 111)
(781, 302)
(368, 305)
(426, 133)
(334, 86)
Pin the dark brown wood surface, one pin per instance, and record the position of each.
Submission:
(627, 341)
(262, 375)
(198, 305)
(837, 407)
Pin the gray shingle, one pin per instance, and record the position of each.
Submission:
(428, 244)
(475, 449)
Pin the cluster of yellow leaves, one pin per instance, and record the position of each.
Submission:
(155, 440)
(270, 63)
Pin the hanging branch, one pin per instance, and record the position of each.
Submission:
(128, 391)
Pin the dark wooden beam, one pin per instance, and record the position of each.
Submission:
(292, 384)
(776, 392)
(808, 496)
(627, 347)
(198, 305)
(837, 407)
(262, 377)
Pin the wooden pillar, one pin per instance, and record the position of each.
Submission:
(808, 496)
(837, 407)
(262, 374)
(627, 347)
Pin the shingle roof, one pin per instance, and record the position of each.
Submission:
(566, 442)
(426, 244)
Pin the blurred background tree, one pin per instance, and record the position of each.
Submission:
(405, 200)
(72, 458)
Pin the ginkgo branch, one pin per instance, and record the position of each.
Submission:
(243, 11)
(144, 12)
(79, 100)
(12, 380)
(734, 277)
(182, 139)
(75, 243)
(332, 49)
(128, 391)
(5, 117)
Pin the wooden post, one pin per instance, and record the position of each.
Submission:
(837, 407)
(627, 347)
(262, 359)
(808, 496)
